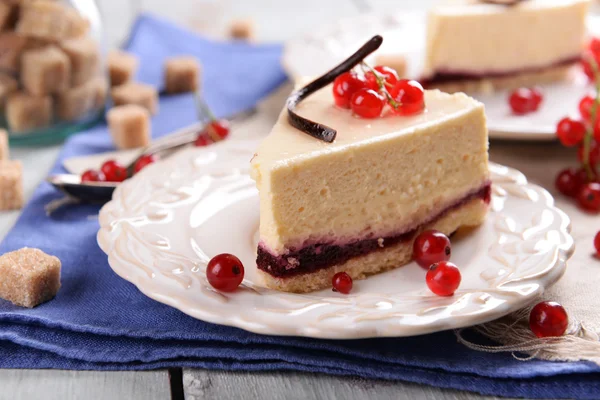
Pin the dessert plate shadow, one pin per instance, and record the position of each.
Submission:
(404, 33)
(163, 226)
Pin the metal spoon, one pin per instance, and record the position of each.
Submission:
(101, 192)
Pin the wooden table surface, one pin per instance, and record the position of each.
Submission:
(276, 21)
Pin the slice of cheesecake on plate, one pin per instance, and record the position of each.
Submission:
(356, 204)
(473, 45)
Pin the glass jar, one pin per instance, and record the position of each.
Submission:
(53, 78)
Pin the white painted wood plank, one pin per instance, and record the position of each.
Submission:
(67, 385)
(219, 385)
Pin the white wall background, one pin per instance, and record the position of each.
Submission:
(275, 20)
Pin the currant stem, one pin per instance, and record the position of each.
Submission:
(203, 112)
(382, 84)
(203, 108)
(587, 140)
(315, 129)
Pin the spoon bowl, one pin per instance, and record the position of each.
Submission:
(90, 192)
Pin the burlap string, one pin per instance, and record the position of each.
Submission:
(578, 291)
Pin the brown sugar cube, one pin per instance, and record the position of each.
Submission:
(6, 11)
(45, 71)
(122, 67)
(8, 84)
(11, 46)
(50, 20)
(100, 86)
(394, 61)
(136, 93)
(76, 102)
(84, 56)
(242, 29)
(182, 74)
(129, 126)
(11, 187)
(4, 151)
(30, 277)
(25, 112)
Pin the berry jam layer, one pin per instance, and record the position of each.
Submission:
(323, 255)
(441, 77)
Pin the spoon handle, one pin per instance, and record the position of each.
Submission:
(182, 137)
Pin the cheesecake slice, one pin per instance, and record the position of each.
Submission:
(473, 45)
(356, 204)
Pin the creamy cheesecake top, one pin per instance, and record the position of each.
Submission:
(285, 144)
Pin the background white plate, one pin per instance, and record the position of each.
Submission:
(164, 224)
(404, 33)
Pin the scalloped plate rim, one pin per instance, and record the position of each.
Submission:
(552, 274)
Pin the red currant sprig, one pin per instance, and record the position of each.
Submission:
(405, 96)
(366, 95)
(215, 131)
(585, 133)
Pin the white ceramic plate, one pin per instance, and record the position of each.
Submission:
(324, 47)
(163, 226)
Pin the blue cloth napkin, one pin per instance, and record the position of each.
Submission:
(99, 321)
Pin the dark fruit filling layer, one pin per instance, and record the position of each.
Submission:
(441, 77)
(323, 255)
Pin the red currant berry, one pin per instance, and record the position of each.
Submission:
(568, 182)
(597, 243)
(594, 153)
(144, 161)
(547, 319)
(388, 74)
(443, 278)
(91, 175)
(114, 171)
(589, 197)
(537, 96)
(587, 68)
(585, 107)
(218, 129)
(409, 95)
(524, 100)
(203, 140)
(367, 103)
(584, 178)
(225, 272)
(570, 132)
(594, 45)
(344, 87)
(431, 247)
(597, 130)
(342, 282)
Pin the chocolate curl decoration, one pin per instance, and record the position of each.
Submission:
(315, 129)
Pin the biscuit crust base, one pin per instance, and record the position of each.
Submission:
(470, 214)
